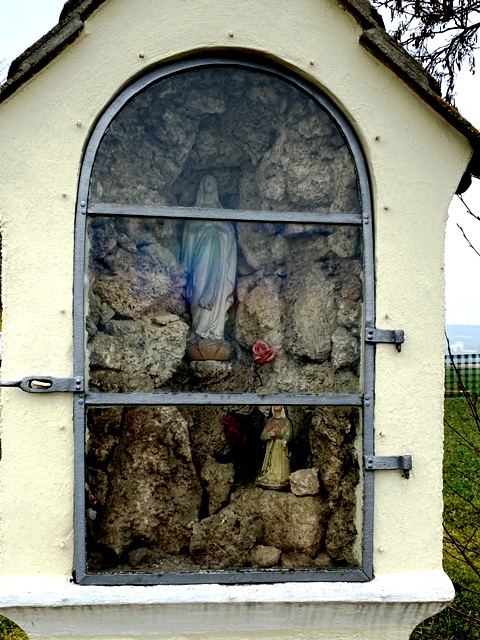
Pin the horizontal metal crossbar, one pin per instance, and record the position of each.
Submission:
(224, 577)
(325, 399)
(197, 213)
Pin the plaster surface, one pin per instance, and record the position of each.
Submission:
(335, 610)
(416, 161)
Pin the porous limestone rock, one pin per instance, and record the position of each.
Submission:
(135, 346)
(285, 374)
(323, 561)
(288, 522)
(345, 348)
(119, 382)
(224, 540)
(142, 283)
(103, 430)
(343, 241)
(292, 560)
(332, 436)
(263, 247)
(211, 370)
(145, 559)
(331, 431)
(207, 433)
(304, 482)
(311, 311)
(262, 556)
(218, 480)
(259, 316)
(97, 488)
(341, 536)
(154, 493)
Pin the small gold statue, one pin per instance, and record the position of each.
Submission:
(277, 433)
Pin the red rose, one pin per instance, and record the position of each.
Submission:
(262, 352)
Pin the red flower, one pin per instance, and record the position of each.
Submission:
(262, 352)
(232, 431)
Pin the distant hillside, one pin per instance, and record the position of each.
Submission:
(464, 337)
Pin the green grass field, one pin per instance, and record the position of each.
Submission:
(10, 631)
(460, 621)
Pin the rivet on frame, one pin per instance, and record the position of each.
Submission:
(230, 34)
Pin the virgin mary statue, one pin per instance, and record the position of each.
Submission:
(209, 256)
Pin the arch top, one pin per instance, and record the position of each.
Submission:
(272, 140)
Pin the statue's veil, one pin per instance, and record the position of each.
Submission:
(206, 199)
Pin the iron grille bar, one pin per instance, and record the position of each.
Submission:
(134, 399)
(222, 214)
(80, 532)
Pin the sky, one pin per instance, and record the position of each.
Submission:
(22, 22)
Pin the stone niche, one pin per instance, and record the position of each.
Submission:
(270, 146)
(172, 488)
(298, 289)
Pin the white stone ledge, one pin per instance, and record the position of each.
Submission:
(45, 591)
(52, 606)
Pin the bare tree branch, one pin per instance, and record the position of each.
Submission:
(468, 241)
(467, 207)
(442, 36)
(466, 616)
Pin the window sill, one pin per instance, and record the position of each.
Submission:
(51, 606)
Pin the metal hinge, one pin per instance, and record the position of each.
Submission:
(380, 463)
(391, 336)
(47, 384)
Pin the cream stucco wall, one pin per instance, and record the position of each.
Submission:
(416, 161)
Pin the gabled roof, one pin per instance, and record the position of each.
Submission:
(374, 38)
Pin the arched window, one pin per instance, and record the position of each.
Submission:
(224, 279)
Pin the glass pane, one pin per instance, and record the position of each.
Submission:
(221, 307)
(185, 489)
(268, 145)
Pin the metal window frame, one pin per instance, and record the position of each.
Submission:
(81, 401)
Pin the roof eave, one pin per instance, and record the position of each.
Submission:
(395, 57)
(36, 57)
(374, 38)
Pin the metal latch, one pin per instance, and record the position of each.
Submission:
(380, 463)
(47, 384)
(391, 336)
